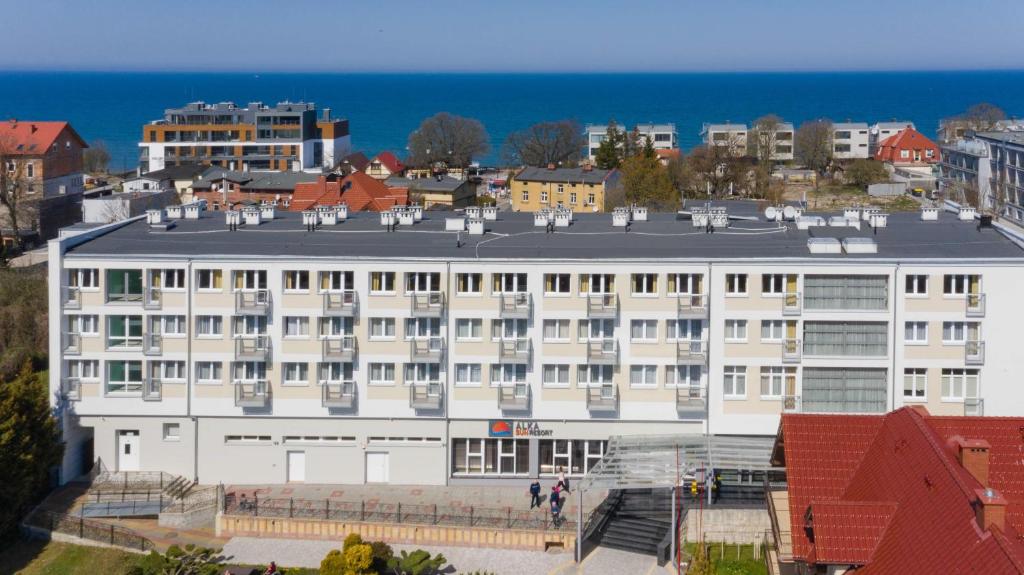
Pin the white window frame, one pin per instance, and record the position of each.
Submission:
(84, 369)
(734, 382)
(917, 377)
(469, 375)
(693, 331)
(387, 279)
(776, 284)
(776, 376)
(562, 329)
(383, 329)
(509, 329)
(648, 284)
(295, 327)
(509, 283)
(216, 368)
(733, 283)
(558, 279)
(421, 328)
(173, 326)
(507, 374)
(685, 376)
(952, 327)
(298, 277)
(336, 327)
(915, 333)
(208, 277)
(422, 282)
(555, 375)
(643, 376)
(172, 431)
(916, 285)
(209, 327)
(585, 375)
(172, 279)
(379, 374)
(337, 281)
(955, 378)
(732, 329)
(776, 330)
(691, 281)
(474, 284)
(85, 279)
(960, 285)
(648, 328)
(474, 325)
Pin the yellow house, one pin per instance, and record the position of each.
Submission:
(582, 188)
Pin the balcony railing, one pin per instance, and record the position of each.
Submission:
(340, 349)
(515, 350)
(429, 349)
(428, 304)
(974, 406)
(603, 351)
(692, 305)
(152, 389)
(72, 344)
(252, 393)
(792, 350)
(152, 344)
(974, 352)
(515, 397)
(975, 305)
(71, 388)
(691, 397)
(252, 347)
(252, 302)
(72, 297)
(338, 394)
(345, 303)
(691, 351)
(152, 298)
(792, 303)
(791, 403)
(603, 398)
(515, 305)
(602, 305)
(426, 395)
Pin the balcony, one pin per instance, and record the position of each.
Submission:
(252, 393)
(790, 403)
(152, 344)
(975, 305)
(71, 297)
(974, 406)
(514, 397)
(71, 388)
(344, 304)
(72, 344)
(338, 394)
(340, 349)
(792, 303)
(602, 305)
(152, 389)
(428, 304)
(792, 350)
(603, 399)
(252, 347)
(692, 305)
(252, 302)
(974, 352)
(426, 395)
(691, 397)
(429, 349)
(515, 350)
(152, 298)
(515, 305)
(691, 351)
(603, 351)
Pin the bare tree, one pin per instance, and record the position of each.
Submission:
(762, 141)
(545, 143)
(813, 145)
(711, 169)
(982, 117)
(447, 140)
(14, 186)
(96, 158)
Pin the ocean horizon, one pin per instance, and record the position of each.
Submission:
(384, 107)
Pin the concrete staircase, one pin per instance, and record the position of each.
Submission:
(640, 522)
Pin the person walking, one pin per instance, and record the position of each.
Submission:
(535, 494)
(555, 506)
(563, 483)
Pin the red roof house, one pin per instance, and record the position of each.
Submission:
(904, 492)
(360, 191)
(908, 147)
(384, 165)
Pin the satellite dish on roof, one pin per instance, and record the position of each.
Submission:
(769, 213)
(789, 212)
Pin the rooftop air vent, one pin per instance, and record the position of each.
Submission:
(266, 212)
(929, 214)
(406, 218)
(563, 218)
(251, 216)
(620, 218)
(719, 218)
(342, 211)
(474, 212)
(859, 246)
(192, 210)
(233, 219)
(490, 213)
(328, 215)
(851, 213)
(310, 219)
(174, 212)
(154, 217)
(454, 224)
(966, 213)
(639, 213)
(541, 218)
(879, 220)
(807, 222)
(388, 218)
(475, 226)
(700, 217)
(417, 212)
(866, 213)
(824, 246)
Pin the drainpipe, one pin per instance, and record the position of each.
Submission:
(895, 334)
(707, 291)
(447, 380)
(190, 330)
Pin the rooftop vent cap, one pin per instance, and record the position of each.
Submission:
(474, 212)
(266, 212)
(639, 213)
(542, 218)
(406, 218)
(251, 216)
(454, 224)
(233, 219)
(620, 219)
(967, 213)
(853, 213)
(824, 246)
(174, 212)
(475, 226)
(879, 220)
(192, 210)
(563, 218)
(700, 217)
(866, 213)
(388, 218)
(807, 222)
(328, 217)
(417, 212)
(310, 218)
(154, 217)
(860, 246)
(929, 214)
(490, 213)
(718, 218)
(342, 211)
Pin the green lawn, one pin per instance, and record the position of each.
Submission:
(42, 558)
(731, 564)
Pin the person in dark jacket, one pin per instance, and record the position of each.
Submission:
(555, 506)
(535, 494)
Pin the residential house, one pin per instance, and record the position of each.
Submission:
(730, 136)
(581, 188)
(908, 147)
(782, 139)
(441, 192)
(228, 189)
(178, 178)
(385, 165)
(354, 162)
(880, 131)
(117, 207)
(850, 140)
(360, 192)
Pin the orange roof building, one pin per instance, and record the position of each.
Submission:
(358, 190)
(909, 148)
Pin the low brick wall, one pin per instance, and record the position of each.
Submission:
(425, 535)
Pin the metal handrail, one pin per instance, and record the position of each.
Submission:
(691, 348)
(251, 393)
(152, 344)
(515, 348)
(974, 352)
(689, 394)
(975, 304)
(602, 348)
(791, 403)
(695, 302)
(426, 394)
(71, 387)
(431, 347)
(346, 301)
(257, 346)
(152, 298)
(152, 389)
(252, 301)
(792, 303)
(338, 393)
(602, 303)
(792, 350)
(344, 347)
(72, 343)
(605, 395)
(515, 395)
(515, 303)
(72, 297)
(428, 302)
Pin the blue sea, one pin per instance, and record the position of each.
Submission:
(384, 108)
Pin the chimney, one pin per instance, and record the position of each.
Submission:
(973, 456)
(551, 166)
(327, 114)
(587, 167)
(991, 509)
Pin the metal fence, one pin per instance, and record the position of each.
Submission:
(398, 513)
(78, 526)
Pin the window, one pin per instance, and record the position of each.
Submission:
(507, 374)
(124, 377)
(209, 372)
(643, 376)
(555, 375)
(684, 329)
(210, 326)
(422, 282)
(915, 382)
(958, 331)
(526, 195)
(335, 327)
(597, 283)
(468, 329)
(915, 332)
(596, 329)
(490, 456)
(684, 284)
(422, 373)
(837, 338)
(852, 292)
(572, 197)
(645, 284)
(643, 330)
(296, 326)
(85, 278)
(773, 284)
(167, 279)
(172, 432)
(84, 324)
(590, 199)
(543, 196)
(249, 280)
(296, 281)
(336, 281)
(508, 329)
(124, 285)
(382, 328)
(422, 327)
(736, 284)
(468, 374)
(168, 371)
(249, 371)
(772, 379)
(382, 282)
(916, 285)
(296, 373)
(30, 170)
(124, 331)
(959, 284)
(561, 188)
(84, 369)
(250, 325)
(959, 384)
(594, 375)
(382, 374)
(556, 330)
(246, 439)
(556, 284)
(573, 457)
(736, 330)
(734, 382)
(468, 283)
(172, 325)
(508, 283)
(210, 280)
(682, 376)
(772, 330)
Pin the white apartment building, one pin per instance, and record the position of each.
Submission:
(663, 136)
(879, 131)
(850, 140)
(441, 350)
(731, 136)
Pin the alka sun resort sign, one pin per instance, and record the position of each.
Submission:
(508, 428)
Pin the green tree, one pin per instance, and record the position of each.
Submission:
(609, 150)
(648, 149)
(863, 173)
(645, 182)
(30, 445)
(23, 319)
(333, 563)
(419, 562)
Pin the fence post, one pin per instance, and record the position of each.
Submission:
(327, 508)
(362, 510)
(398, 515)
(111, 534)
(545, 520)
(81, 524)
(435, 514)
(255, 505)
(470, 515)
(291, 507)
(508, 512)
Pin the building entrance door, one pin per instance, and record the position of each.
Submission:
(376, 467)
(128, 450)
(296, 466)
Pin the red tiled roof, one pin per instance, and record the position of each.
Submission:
(391, 162)
(31, 138)
(359, 191)
(907, 139)
(887, 492)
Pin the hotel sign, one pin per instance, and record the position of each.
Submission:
(509, 428)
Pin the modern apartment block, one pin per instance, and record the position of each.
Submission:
(850, 140)
(414, 347)
(730, 136)
(663, 136)
(988, 168)
(288, 137)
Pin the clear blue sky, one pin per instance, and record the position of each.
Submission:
(511, 35)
